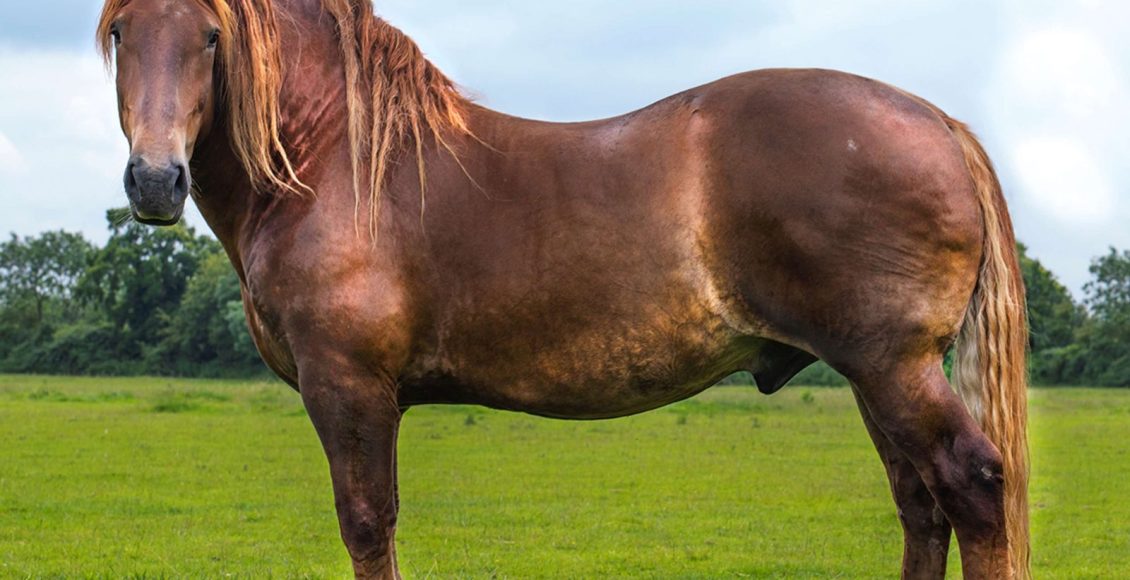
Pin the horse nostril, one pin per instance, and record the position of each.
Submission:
(180, 186)
(166, 183)
(131, 177)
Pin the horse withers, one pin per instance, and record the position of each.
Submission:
(399, 245)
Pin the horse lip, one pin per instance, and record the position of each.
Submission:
(159, 221)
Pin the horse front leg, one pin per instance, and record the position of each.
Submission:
(357, 419)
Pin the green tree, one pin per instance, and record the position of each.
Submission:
(208, 333)
(1108, 294)
(1055, 321)
(139, 278)
(41, 269)
(38, 276)
(1053, 316)
(1107, 339)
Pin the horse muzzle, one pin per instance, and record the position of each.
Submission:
(157, 192)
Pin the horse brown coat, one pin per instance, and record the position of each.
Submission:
(600, 269)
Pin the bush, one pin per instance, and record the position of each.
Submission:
(83, 348)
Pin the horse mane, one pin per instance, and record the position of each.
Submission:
(395, 96)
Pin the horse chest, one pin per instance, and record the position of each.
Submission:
(271, 344)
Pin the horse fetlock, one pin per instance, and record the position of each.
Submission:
(379, 568)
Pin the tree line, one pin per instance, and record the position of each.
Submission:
(167, 302)
(150, 301)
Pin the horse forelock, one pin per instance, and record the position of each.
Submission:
(396, 98)
(102, 40)
(112, 8)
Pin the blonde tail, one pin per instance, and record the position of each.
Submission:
(990, 371)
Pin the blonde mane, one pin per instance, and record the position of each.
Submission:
(396, 97)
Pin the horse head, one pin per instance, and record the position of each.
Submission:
(165, 54)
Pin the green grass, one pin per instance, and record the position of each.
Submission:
(172, 478)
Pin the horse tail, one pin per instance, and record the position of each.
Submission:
(990, 371)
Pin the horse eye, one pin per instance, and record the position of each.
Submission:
(116, 35)
(213, 38)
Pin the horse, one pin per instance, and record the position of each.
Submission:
(398, 245)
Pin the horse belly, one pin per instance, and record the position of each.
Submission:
(604, 366)
(621, 375)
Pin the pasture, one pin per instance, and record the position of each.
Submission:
(180, 478)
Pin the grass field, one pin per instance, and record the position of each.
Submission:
(163, 478)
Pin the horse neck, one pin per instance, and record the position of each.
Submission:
(224, 194)
(313, 121)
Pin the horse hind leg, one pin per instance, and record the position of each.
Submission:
(913, 407)
(926, 531)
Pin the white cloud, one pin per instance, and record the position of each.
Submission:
(11, 160)
(1059, 123)
(61, 109)
(1064, 180)
(1066, 70)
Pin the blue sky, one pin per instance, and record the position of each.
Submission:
(1046, 84)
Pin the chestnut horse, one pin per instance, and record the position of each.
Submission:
(399, 245)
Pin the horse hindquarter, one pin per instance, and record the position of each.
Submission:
(847, 223)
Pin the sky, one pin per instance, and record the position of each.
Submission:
(1046, 84)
